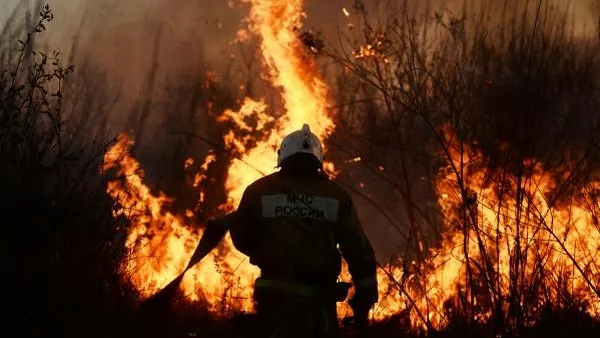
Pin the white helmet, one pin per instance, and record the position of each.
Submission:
(300, 141)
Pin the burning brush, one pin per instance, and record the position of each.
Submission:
(152, 316)
(313, 41)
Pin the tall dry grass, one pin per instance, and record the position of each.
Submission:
(523, 88)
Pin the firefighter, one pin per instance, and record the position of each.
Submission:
(295, 225)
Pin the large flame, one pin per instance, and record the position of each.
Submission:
(291, 68)
(522, 240)
(160, 243)
(488, 225)
(505, 240)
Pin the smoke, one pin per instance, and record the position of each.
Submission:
(127, 40)
(112, 31)
(121, 37)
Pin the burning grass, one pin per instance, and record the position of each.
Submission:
(481, 150)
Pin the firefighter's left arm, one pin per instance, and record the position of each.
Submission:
(360, 256)
(355, 246)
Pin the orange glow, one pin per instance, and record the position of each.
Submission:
(565, 237)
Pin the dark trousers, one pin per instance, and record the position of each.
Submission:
(284, 315)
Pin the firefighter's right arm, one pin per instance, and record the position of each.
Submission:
(356, 248)
(241, 224)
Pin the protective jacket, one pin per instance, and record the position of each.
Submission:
(293, 227)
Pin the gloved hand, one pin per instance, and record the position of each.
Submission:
(364, 298)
